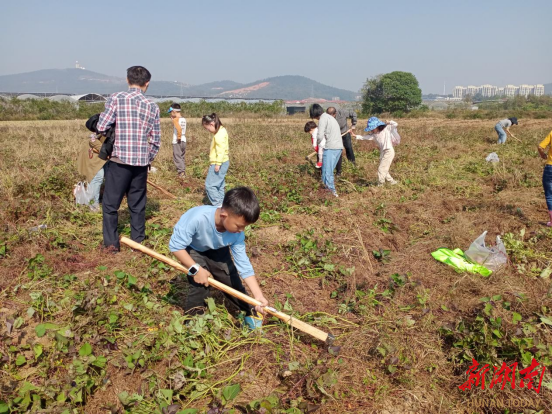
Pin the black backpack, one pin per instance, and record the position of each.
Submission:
(107, 146)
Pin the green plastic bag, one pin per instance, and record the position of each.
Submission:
(456, 259)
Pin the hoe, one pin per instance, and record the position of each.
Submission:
(296, 323)
(162, 190)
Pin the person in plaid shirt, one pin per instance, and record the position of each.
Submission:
(137, 141)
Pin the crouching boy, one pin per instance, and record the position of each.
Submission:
(203, 239)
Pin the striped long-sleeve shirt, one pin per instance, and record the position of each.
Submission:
(137, 131)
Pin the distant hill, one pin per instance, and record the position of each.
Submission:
(78, 81)
(290, 88)
(212, 88)
(75, 81)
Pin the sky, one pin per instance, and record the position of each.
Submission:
(340, 44)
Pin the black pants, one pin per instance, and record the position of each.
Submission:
(124, 179)
(348, 151)
(219, 263)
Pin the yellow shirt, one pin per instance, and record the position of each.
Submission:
(219, 147)
(547, 142)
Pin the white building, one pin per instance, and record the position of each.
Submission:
(459, 92)
(511, 90)
(473, 90)
(526, 90)
(488, 90)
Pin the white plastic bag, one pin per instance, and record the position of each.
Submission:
(492, 157)
(395, 137)
(493, 258)
(83, 193)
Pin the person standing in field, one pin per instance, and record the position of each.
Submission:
(380, 132)
(341, 116)
(505, 123)
(179, 139)
(218, 157)
(328, 130)
(547, 173)
(137, 142)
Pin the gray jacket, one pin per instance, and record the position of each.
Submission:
(328, 128)
(341, 117)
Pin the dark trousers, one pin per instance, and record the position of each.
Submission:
(348, 145)
(219, 263)
(124, 179)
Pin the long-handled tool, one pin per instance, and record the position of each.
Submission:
(296, 323)
(162, 190)
(312, 154)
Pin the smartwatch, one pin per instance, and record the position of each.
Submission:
(192, 271)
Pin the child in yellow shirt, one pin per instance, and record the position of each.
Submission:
(218, 157)
(547, 174)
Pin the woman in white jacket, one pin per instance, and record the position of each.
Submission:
(382, 134)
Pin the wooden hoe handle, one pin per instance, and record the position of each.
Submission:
(296, 323)
(162, 190)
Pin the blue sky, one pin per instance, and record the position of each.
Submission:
(336, 43)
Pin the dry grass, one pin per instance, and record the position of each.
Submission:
(447, 196)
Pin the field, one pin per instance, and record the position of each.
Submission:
(84, 331)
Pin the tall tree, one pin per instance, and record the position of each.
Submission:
(392, 92)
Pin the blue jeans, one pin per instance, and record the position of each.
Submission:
(96, 183)
(214, 183)
(330, 159)
(547, 185)
(501, 134)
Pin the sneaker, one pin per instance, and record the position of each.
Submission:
(253, 322)
(94, 208)
(334, 193)
(393, 182)
(318, 165)
(182, 175)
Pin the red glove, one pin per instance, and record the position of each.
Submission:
(316, 148)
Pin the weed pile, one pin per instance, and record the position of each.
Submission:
(86, 331)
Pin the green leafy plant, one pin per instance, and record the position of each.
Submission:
(311, 258)
(491, 339)
(37, 268)
(382, 255)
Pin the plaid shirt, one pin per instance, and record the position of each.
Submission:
(137, 133)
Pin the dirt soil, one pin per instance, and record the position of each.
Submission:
(358, 266)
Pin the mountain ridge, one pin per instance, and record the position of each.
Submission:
(79, 81)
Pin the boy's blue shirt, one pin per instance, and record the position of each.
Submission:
(196, 229)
